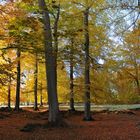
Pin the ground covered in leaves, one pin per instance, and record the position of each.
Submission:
(29, 125)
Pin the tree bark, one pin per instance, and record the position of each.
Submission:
(71, 80)
(17, 104)
(87, 113)
(35, 83)
(55, 35)
(50, 67)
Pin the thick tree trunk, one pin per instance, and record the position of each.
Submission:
(17, 104)
(35, 83)
(55, 35)
(50, 67)
(87, 115)
(71, 80)
(9, 93)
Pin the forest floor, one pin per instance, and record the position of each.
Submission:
(27, 125)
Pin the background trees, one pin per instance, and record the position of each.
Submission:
(90, 39)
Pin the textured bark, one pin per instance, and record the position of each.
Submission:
(55, 35)
(35, 83)
(87, 113)
(50, 66)
(17, 104)
(71, 80)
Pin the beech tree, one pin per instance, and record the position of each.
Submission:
(36, 83)
(50, 59)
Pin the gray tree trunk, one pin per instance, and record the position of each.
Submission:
(17, 104)
(55, 35)
(71, 80)
(35, 83)
(87, 113)
(50, 66)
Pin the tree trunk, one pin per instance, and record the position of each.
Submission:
(137, 77)
(71, 80)
(50, 67)
(55, 35)
(35, 83)
(87, 113)
(9, 93)
(138, 85)
(27, 98)
(17, 104)
(41, 96)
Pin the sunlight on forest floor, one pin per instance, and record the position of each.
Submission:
(80, 107)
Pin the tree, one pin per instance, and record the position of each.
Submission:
(50, 58)
(131, 55)
(71, 77)
(87, 116)
(17, 104)
(36, 82)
